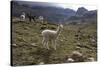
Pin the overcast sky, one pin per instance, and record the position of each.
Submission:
(76, 6)
(72, 4)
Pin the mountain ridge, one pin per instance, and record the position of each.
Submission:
(51, 13)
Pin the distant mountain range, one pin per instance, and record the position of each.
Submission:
(83, 13)
(51, 13)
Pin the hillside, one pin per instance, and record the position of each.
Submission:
(27, 47)
(77, 40)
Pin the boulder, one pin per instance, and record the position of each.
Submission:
(77, 56)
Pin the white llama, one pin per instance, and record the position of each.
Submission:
(51, 35)
(22, 16)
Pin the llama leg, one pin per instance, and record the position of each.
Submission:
(44, 43)
(52, 43)
(47, 45)
(55, 44)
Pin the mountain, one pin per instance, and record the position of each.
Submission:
(50, 13)
(83, 14)
(90, 14)
(81, 11)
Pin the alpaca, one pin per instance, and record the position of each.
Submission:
(51, 35)
(40, 19)
(30, 17)
(22, 17)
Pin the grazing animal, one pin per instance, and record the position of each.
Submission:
(31, 17)
(40, 19)
(22, 17)
(35, 18)
(51, 35)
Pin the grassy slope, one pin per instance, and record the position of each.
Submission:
(24, 34)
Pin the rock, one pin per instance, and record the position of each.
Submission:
(77, 47)
(92, 40)
(61, 40)
(14, 45)
(90, 50)
(77, 56)
(78, 43)
(70, 60)
(76, 53)
(66, 56)
(34, 44)
(41, 63)
(91, 59)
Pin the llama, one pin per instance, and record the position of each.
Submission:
(40, 19)
(30, 17)
(22, 17)
(51, 35)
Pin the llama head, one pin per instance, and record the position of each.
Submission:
(61, 26)
(23, 13)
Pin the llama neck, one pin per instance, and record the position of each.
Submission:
(58, 30)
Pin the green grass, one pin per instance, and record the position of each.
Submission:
(25, 33)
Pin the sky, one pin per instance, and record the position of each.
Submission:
(74, 4)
